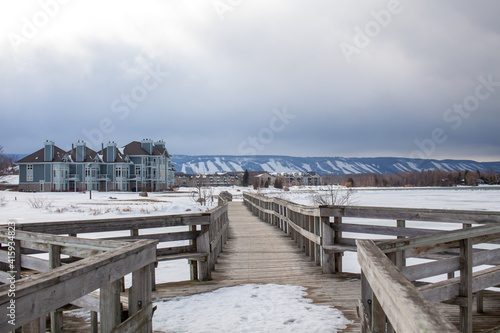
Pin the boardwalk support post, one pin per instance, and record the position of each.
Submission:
(327, 234)
(465, 287)
(110, 308)
(203, 246)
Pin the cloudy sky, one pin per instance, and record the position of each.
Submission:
(289, 77)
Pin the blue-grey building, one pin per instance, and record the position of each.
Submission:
(138, 166)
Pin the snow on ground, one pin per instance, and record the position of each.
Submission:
(256, 308)
(9, 180)
(248, 308)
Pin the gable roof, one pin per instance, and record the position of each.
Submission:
(134, 149)
(120, 156)
(38, 156)
(90, 155)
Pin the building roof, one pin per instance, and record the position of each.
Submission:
(120, 156)
(38, 156)
(135, 149)
(90, 155)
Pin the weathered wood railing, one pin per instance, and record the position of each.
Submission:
(318, 231)
(25, 302)
(205, 232)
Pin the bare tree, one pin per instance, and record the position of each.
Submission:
(5, 163)
(202, 194)
(335, 196)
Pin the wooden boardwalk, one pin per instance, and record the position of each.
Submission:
(257, 252)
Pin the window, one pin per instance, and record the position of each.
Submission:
(29, 172)
(138, 171)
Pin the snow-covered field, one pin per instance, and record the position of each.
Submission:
(247, 308)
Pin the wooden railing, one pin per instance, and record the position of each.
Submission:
(318, 231)
(205, 232)
(25, 302)
(69, 280)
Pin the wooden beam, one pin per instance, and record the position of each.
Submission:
(465, 286)
(140, 296)
(48, 291)
(407, 309)
(110, 309)
(139, 322)
(488, 231)
(449, 289)
(56, 317)
(412, 214)
(115, 224)
(327, 236)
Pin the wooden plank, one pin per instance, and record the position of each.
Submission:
(449, 289)
(42, 238)
(465, 285)
(218, 237)
(139, 300)
(413, 214)
(338, 248)
(203, 246)
(175, 250)
(110, 310)
(163, 237)
(327, 235)
(408, 311)
(137, 322)
(189, 255)
(383, 230)
(56, 317)
(488, 231)
(291, 206)
(449, 265)
(309, 235)
(48, 291)
(115, 224)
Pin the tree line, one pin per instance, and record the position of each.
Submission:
(423, 178)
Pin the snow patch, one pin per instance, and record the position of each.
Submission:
(248, 308)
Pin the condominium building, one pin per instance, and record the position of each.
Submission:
(139, 166)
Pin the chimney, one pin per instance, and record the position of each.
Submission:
(48, 153)
(147, 145)
(81, 151)
(111, 152)
(160, 144)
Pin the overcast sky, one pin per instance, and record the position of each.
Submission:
(288, 77)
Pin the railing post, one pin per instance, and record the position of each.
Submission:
(336, 240)
(94, 322)
(110, 308)
(56, 317)
(327, 234)
(193, 263)
(400, 256)
(140, 294)
(365, 305)
(378, 316)
(317, 248)
(203, 246)
(465, 287)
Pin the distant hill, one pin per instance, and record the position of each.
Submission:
(321, 165)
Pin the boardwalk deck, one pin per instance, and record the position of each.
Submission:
(257, 252)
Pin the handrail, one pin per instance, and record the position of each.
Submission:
(409, 311)
(27, 301)
(318, 232)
